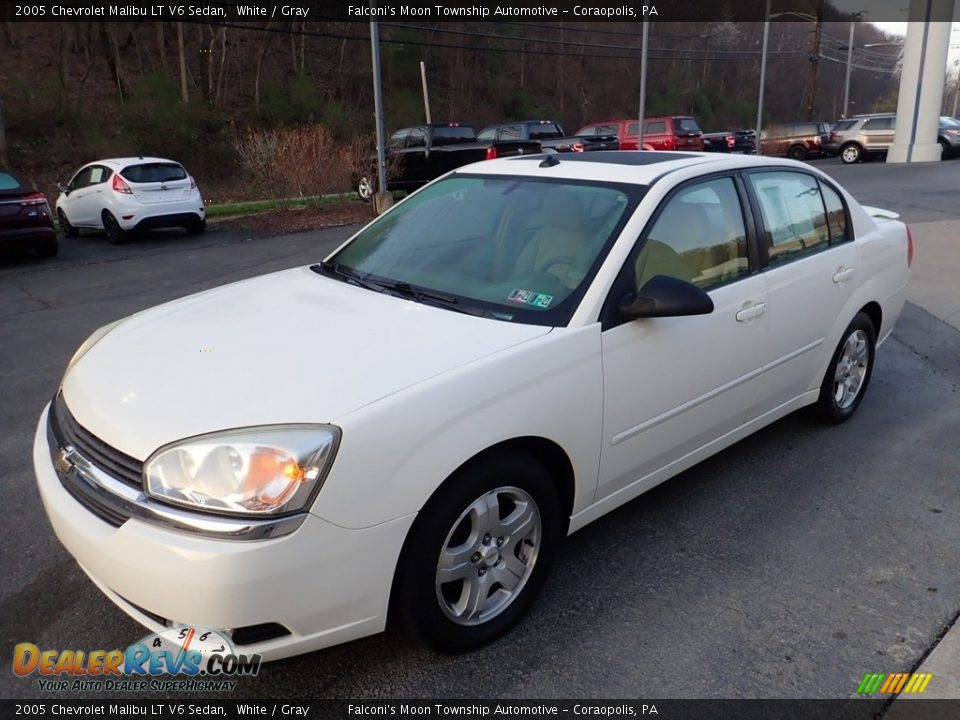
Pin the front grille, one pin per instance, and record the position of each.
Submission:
(115, 463)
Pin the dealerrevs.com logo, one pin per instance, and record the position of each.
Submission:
(188, 659)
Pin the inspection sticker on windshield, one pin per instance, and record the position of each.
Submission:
(529, 297)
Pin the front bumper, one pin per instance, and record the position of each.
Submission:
(323, 583)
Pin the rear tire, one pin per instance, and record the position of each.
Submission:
(797, 152)
(944, 149)
(197, 227)
(66, 228)
(850, 154)
(492, 529)
(848, 374)
(364, 187)
(115, 234)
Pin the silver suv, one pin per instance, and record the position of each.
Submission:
(862, 136)
(870, 135)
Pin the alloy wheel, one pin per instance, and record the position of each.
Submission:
(488, 556)
(851, 369)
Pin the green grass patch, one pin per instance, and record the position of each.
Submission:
(223, 210)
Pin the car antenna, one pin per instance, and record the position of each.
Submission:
(550, 161)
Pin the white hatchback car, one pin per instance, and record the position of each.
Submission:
(124, 195)
(406, 430)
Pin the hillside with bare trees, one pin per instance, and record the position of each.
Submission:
(72, 92)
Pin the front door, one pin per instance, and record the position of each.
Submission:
(673, 385)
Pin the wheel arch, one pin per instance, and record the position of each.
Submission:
(873, 311)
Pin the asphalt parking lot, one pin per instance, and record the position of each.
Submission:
(787, 566)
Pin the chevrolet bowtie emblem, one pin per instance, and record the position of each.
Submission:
(64, 460)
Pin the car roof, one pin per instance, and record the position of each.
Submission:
(621, 166)
(124, 161)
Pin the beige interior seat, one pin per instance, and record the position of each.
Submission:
(555, 247)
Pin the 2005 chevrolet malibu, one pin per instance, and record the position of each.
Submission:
(404, 432)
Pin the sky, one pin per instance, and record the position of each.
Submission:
(900, 28)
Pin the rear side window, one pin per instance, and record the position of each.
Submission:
(660, 126)
(633, 128)
(879, 124)
(453, 134)
(153, 172)
(844, 125)
(545, 131)
(510, 132)
(687, 125)
(836, 214)
(794, 219)
(99, 174)
(8, 181)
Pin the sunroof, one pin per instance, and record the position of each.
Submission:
(611, 157)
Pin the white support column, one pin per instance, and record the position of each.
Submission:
(921, 82)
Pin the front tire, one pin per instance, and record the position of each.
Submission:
(797, 152)
(944, 149)
(850, 154)
(477, 554)
(848, 374)
(115, 234)
(68, 230)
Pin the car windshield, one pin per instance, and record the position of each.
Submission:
(513, 248)
(949, 122)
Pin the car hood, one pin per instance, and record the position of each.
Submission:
(289, 347)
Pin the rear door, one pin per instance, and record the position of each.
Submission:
(673, 385)
(878, 133)
(655, 134)
(155, 183)
(810, 266)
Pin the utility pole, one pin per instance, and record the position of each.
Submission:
(846, 83)
(815, 61)
(382, 200)
(758, 146)
(643, 82)
(426, 97)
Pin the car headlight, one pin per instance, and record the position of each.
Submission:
(95, 337)
(261, 470)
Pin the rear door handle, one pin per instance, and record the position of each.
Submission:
(751, 312)
(842, 275)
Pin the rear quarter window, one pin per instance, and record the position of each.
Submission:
(8, 181)
(154, 172)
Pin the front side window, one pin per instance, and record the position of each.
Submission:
(397, 139)
(417, 138)
(517, 248)
(82, 179)
(794, 218)
(699, 236)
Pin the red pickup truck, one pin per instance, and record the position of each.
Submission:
(671, 132)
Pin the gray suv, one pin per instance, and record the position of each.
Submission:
(865, 136)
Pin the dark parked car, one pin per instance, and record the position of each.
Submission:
(731, 141)
(798, 140)
(550, 135)
(25, 217)
(417, 155)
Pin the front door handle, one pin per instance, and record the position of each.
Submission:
(842, 275)
(748, 313)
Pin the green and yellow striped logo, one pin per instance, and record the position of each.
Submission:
(893, 683)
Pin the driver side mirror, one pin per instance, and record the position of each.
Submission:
(63, 188)
(664, 296)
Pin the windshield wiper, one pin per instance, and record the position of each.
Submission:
(347, 274)
(418, 294)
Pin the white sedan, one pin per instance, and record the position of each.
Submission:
(404, 432)
(122, 196)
